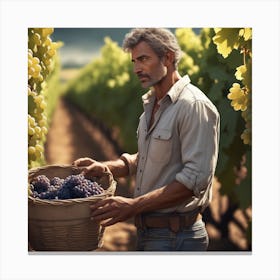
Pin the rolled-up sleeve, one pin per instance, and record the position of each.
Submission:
(130, 161)
(199, 136)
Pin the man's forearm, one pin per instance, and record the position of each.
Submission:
(117, 167)
(165, 197)
(124, 166)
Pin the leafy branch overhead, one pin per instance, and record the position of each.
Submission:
(227, 39)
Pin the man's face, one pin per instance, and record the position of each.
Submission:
(147, 65)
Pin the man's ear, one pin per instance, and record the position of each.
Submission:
(169, 58)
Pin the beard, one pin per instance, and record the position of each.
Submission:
(150, 80)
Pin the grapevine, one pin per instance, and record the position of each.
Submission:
(227, 39)
(41, 51)
(239, 40)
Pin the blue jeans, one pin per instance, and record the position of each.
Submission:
(193, 238)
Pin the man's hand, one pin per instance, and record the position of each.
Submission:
(91, 167)
(83, 161)
(114, 209)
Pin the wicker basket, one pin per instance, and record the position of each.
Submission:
(65, 225)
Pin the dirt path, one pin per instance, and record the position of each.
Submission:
(71, 136)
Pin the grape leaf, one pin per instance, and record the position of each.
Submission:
(226, 40)
(240, 72)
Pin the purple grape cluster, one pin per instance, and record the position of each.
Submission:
(73, 186)
(56, 181)
(41, 184)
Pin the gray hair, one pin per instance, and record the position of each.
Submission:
(159, 39)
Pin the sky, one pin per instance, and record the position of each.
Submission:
(81, 45)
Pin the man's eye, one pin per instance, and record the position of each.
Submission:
(144, 58)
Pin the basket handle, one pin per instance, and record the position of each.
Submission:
(112, 183)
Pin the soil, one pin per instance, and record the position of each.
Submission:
(72, 135)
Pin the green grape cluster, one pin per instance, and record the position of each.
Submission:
(37, 125)
(34, 68)
(41, 51)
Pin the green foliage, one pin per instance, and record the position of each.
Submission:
(53, 89)
(227, 39)
(107, 89)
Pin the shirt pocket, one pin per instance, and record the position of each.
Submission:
(161, 145)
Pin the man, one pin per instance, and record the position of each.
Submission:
(178, 138)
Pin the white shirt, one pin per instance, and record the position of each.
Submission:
(182, 144)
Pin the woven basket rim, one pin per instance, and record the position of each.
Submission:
(35, 169)
(66, 201)
(107, 192)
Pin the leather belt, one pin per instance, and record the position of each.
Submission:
(175, 222)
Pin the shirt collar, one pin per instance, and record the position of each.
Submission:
(173, 93)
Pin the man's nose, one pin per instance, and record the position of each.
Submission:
(137, 68)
